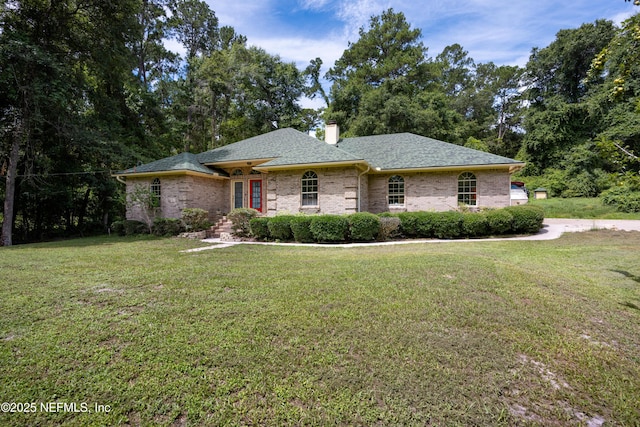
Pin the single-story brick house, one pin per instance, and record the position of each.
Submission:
(290, 171)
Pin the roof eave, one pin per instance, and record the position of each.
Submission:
(213, 175)
(311, 165)
(239, 162)
(513, 167)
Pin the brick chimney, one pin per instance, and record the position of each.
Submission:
(332, 132)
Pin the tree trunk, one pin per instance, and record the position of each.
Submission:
(10, 189)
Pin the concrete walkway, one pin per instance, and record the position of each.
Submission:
(553, 228)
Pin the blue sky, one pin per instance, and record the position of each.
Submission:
(490, 30)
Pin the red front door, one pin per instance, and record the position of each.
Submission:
(255, 194)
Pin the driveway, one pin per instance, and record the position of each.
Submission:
(554, 227)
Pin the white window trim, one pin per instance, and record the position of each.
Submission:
(403, 194)
(302, 187)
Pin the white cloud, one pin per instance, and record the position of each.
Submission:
(314, 4)
(302, 50)
(491, 30)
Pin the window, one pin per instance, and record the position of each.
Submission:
(467, 189)
(310, 189)
(156, 189)
(396, 190)
(237, 172)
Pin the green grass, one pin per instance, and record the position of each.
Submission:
(585, 208)
(475, 333)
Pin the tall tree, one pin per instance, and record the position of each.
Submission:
(61, 86)
(557, 120)
(194, 25)
(497, 108)
(153, 58)
(389, 57)
(614, 100)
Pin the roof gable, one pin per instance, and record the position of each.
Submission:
(178, 163)
(410, 151)
(282, 147)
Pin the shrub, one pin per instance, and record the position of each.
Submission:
(301, 229)
(195, 219)
(117, 227)
(280, 227)
(475, 224)
(166, 227)
(259, 228)
(389, 227)
(623, 198)
(526, 218)
(447, 225)
(329, 228)
(133, 227)
(240, 218)
(363, 226)
(499, 221)
(409, 223)
(426, 222)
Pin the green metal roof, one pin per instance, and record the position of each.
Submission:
(177, 163)
(410, 151)
(285, 147)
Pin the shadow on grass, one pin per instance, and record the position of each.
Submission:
(633, 277)
(75, 242)
(630, 305)
(628, 275)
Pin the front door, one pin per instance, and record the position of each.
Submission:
(237, 194)
(255, 194)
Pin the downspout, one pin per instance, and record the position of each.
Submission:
(119, 178)
(359, 190)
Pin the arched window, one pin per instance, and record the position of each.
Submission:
(156, 188)
(310, 189)
(237, 172)
(396, 190)
(467, 189)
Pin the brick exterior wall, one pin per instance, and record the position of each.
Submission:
(337, 191)
(439, 191)
(184, 191)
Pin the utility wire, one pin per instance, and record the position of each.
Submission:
(58, 174)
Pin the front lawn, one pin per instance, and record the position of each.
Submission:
(464, 333)
(580, 207)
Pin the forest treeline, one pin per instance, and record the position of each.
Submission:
(88, 87)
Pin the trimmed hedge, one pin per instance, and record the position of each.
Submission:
(499, 221)
(280, 227)
(366, 227)
(363, 226)
(526, 218)
(301, 229)
(329, 228)
(475, 224)
(447, 225)
(259, 228)
(409, 223)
